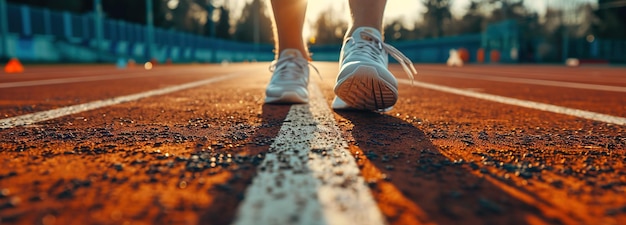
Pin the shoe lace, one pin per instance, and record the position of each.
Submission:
(285, 71)
(375, 45)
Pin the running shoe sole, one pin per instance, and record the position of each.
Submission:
(364, 89)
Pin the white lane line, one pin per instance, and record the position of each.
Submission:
(308, 176)
(524, 103)
(83, 79)
(56, 113)
(473, 76)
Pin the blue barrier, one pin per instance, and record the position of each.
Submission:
(424, 51)
(73, 37)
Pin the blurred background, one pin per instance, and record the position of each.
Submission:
(484, 31)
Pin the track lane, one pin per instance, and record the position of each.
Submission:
(535, 157)
(41, 72)
(81, 89)
(420, 180)
(606, 102)
(610, 103)
(144, 148)
(602, 75)
(543, 82)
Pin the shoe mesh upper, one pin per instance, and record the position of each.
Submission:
(366, 44)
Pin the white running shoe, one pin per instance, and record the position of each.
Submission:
(364, 81)
(290, 79)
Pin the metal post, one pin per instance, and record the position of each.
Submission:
(565, 46)
(4, 29)
(257, 36)
(211, 24)
(67, 25)
(150, 31)
(85, 28)
(99, 23)
(26, 21)
(122, 31)
(47, 22)
(504, 8)
(212, 30)
(564, 23)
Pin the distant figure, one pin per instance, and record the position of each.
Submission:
(364, 82)
(454, 59)
(572, 62)
(514, 54)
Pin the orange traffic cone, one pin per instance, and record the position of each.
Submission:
(480, 55)
(14, 66)
(494, 55)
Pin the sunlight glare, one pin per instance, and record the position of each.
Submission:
(408, 12)
(172, 4)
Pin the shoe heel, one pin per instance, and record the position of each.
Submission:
(365, 89)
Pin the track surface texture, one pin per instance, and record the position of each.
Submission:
(191, 154)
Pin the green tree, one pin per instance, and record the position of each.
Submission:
(327, 29)
(189, 16)
(611, 22)
(222, 29)
(499, 10)
(77, 6)
(130, 11)
(472, 21)
(437, 17)
(396, 31)
(254, 25)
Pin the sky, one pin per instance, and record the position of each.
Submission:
(408, 11)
